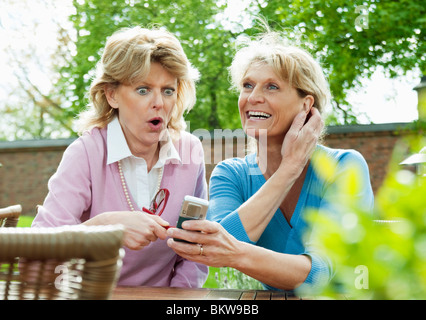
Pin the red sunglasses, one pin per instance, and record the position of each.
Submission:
(158, 204)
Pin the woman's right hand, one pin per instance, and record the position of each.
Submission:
(301, 140)
(140, 228)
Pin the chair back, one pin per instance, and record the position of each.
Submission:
(69, 262)
(9, 216)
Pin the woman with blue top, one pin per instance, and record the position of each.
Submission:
(258, 205)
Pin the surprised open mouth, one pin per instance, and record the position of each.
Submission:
(155, 123)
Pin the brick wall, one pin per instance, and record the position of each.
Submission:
(26, 168)
(27, 165)
(375, 142)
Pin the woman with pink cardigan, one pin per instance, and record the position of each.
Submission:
(132, 151)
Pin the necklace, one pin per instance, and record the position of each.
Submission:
(123, 184)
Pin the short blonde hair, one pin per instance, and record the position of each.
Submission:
(291, 63)
(127, 59)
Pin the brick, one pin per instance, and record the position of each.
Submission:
(26, 169)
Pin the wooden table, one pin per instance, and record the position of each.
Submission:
(160, 293)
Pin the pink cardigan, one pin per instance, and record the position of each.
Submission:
(85, 186)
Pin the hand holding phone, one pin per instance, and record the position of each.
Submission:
(193, 208)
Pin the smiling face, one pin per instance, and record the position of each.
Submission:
(144, 108)
(268, 102)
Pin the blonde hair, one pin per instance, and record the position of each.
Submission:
(127, 59)
(291, 63)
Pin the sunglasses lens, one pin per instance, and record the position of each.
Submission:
(160, 201)
(161, 194)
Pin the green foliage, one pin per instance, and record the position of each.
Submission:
(229, 278)
(25, 221)
(350, 43)
(350, 39)
(353, 38)
(380, 255)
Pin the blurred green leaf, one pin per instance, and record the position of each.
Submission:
(385, 250)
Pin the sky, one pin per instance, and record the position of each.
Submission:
(383, 100)
(387, 100)
(28, 26)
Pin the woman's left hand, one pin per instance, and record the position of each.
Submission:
(212, 245)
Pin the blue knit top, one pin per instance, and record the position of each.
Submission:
(234, 181)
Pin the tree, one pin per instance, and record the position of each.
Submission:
(32, 106)
(353, 38)
(350, 40)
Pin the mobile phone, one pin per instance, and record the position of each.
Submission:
(193, 208)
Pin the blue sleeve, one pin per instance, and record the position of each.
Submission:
(226, 196)
(364, 196)
(351, 183)
(321, 272)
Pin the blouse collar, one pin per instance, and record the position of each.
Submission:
(117, 148)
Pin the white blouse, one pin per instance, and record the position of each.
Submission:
(141, 184)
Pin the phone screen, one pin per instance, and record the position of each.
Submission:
(193, 210)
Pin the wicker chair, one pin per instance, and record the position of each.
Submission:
(70, 262)
(9, 216)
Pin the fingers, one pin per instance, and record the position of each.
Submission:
(213, 246)
(301, 140)
(298, 122)
(315, 121)
(159, 220)
(311, 131)
(149, 228)
(193, 252)
(203, 254)
(134, 242)
(142, 229)
(159, 228)
(205, 226)
(189, 236)
(184, 248)
(196, 231)
(302, 131)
